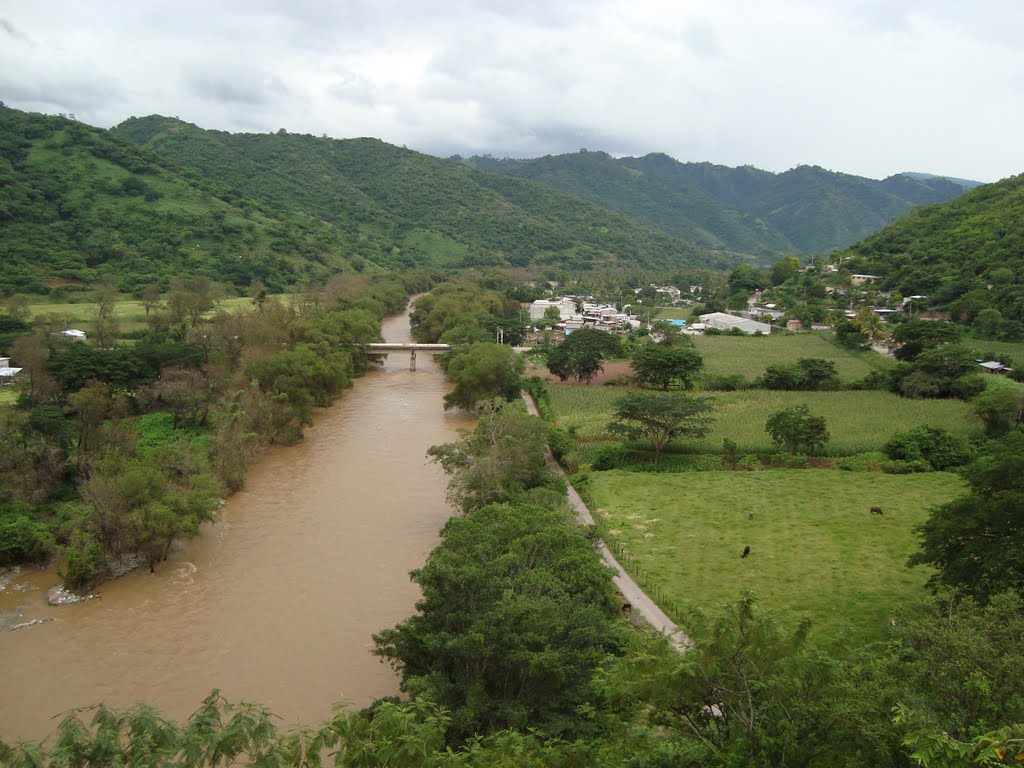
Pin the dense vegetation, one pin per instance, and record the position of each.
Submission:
(112, 453)
(804, 210)
(79, 205)
(966, 256)
(403, 207)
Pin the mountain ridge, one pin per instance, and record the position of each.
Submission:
(805, 210)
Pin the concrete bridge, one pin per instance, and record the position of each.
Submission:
(384, 348)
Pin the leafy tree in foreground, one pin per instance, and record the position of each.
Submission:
(974, 542)
(794, 428)
(658, 365)
(748, 693)
(517, 612)
(482, 372)
(660, 418)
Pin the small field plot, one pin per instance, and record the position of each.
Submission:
(750, 355)
(815, 549)
(857, 421)
(1014, 350)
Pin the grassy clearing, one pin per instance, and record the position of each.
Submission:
(8, 395)
(130, 313)
(750, 355)
(1011, 349)
(675, 313)
(815, 550)
(857, 421)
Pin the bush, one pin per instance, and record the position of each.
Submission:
(23, 539)
(871, 461)
(609, 456)
(900, 467)
(560, 442)
(725, 382)
(934, 446)
(750, 461)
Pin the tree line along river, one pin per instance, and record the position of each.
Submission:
(277, 601)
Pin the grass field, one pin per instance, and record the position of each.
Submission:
(8, 395)
(1011, 349)
(815, 550)
(129, 312)
(750, 355)
(857, 421)
(674, 313)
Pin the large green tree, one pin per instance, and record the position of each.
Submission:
(658, 365)
(795, 428)
(660, 418)
(517, 613)
(482, 372)
(502, 456)
(974, 542)
(582, 354)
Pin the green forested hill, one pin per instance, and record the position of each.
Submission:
(966, 255)
(687, 214)
(157, 197)
(804, 210)
(427, 207)
(78, 204)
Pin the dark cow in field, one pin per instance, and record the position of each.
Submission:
(876, 510)
(746, 551)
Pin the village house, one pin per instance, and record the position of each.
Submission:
(993, 366)
(7, 373)
(726, 322)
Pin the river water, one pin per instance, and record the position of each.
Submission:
(277, 601)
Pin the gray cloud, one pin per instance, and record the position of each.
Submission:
(864, 86)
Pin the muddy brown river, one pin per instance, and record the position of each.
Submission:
(277, 601)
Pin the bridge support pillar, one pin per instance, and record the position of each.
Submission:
(412, 360)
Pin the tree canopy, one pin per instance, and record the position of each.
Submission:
(660, 418)
(974, 542)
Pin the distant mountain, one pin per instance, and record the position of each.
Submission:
(968, 183)
(430, 210)
(157, 197)
(965, 255)
(805, 210)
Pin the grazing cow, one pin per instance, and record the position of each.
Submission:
(750, 515)
(876, 510)
(746, 551)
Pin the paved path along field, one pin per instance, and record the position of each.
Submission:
(642, 604)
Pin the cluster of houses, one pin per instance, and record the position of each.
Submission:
(587, 314)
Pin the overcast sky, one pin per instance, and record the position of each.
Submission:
(870, 87)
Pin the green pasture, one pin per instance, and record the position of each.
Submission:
(1014, 350)
(857, 421)
(750, 355)
(129, 312)
(815, 550)
(674, 313)
(8, 395)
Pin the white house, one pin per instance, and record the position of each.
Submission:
(726, 322)
(72, 333)
(7, 374)
(566, 308)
